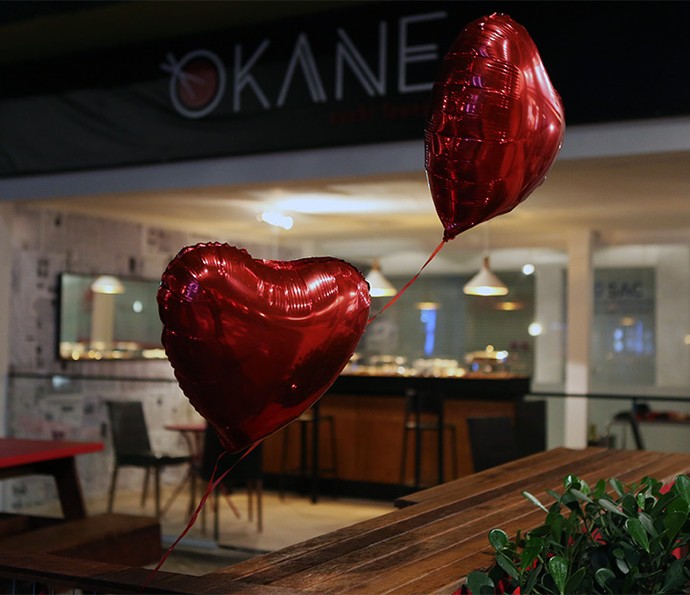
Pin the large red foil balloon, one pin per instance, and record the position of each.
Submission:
(495, 124)
(254, 343)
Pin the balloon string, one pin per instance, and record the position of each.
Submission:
(212, 485)
(397, 296)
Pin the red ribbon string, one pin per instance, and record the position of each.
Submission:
(397, 296)
(212, 485)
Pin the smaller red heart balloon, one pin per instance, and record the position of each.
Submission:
(254, 343)
(495, 124)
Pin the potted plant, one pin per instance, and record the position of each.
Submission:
(612, 538)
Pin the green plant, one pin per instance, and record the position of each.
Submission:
(612, 538)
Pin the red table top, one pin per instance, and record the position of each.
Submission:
(19, 451)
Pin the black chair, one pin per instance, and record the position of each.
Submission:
(424, 413)
(132, 448)
(247, 471)
(310, 425)
(530, 427)
(492, 441)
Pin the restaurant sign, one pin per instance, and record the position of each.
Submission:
(354, 74)
(346, 78)
(198, 80)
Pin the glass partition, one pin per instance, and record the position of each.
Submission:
(102, 317)
(435, 328)
(640, 338)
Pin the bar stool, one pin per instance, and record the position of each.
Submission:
(424, 413)
(309, 420)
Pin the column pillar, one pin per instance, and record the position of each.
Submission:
(578, 345)
(6, 211)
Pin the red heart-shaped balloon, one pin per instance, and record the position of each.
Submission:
(495, 124)
(254, 343)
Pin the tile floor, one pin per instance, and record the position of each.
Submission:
(285, 522)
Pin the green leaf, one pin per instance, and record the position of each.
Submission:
(648, 524)
(555, 495)
(674, 577)
(599, 559)
(532, 549)
(678, 505)
(498, 539)
(622, 565)
(599, 489)
(558, 569)
(477, 580)
(638, 533)
(617, 486)
(683, 487)
(604, 576)
(556, 526)
(507, 564)
(534, 500)
(570, 481)
(575, 580)
(632, 554)
(629, 505)
(532, 580)
(673, 522)
(610, 506)
(581, 495)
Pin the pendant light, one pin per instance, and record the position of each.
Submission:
(107, 284)
(485, 282)
(379, 286)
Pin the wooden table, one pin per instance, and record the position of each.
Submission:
(19, 457)
(193, 434)
(440, 534)
(428, 546)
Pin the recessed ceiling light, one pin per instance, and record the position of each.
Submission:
(277, 219)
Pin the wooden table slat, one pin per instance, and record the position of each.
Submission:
(409, 547)
(381, 529)
(391, 523)
(665, 466)
(511, 472)
(431, 545)
(402, 559)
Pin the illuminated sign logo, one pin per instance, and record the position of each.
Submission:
(197, 82)
(277, 71)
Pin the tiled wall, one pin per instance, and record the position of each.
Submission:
(50, 399)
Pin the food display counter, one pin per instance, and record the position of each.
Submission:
(369, 416)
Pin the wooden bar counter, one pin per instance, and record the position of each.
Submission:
(369, 412)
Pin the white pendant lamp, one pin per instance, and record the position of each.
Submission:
(379, 286)
(485, 282)
(107, 284)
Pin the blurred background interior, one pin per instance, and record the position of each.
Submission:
(294, 129)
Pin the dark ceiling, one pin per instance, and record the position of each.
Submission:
(32, 30)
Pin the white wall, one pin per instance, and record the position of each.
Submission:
(50, 399)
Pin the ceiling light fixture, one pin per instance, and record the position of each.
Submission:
(427, 305)
(509, 306)
(485, 282)
(277, 219)
(107, 284)
(379, 286)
